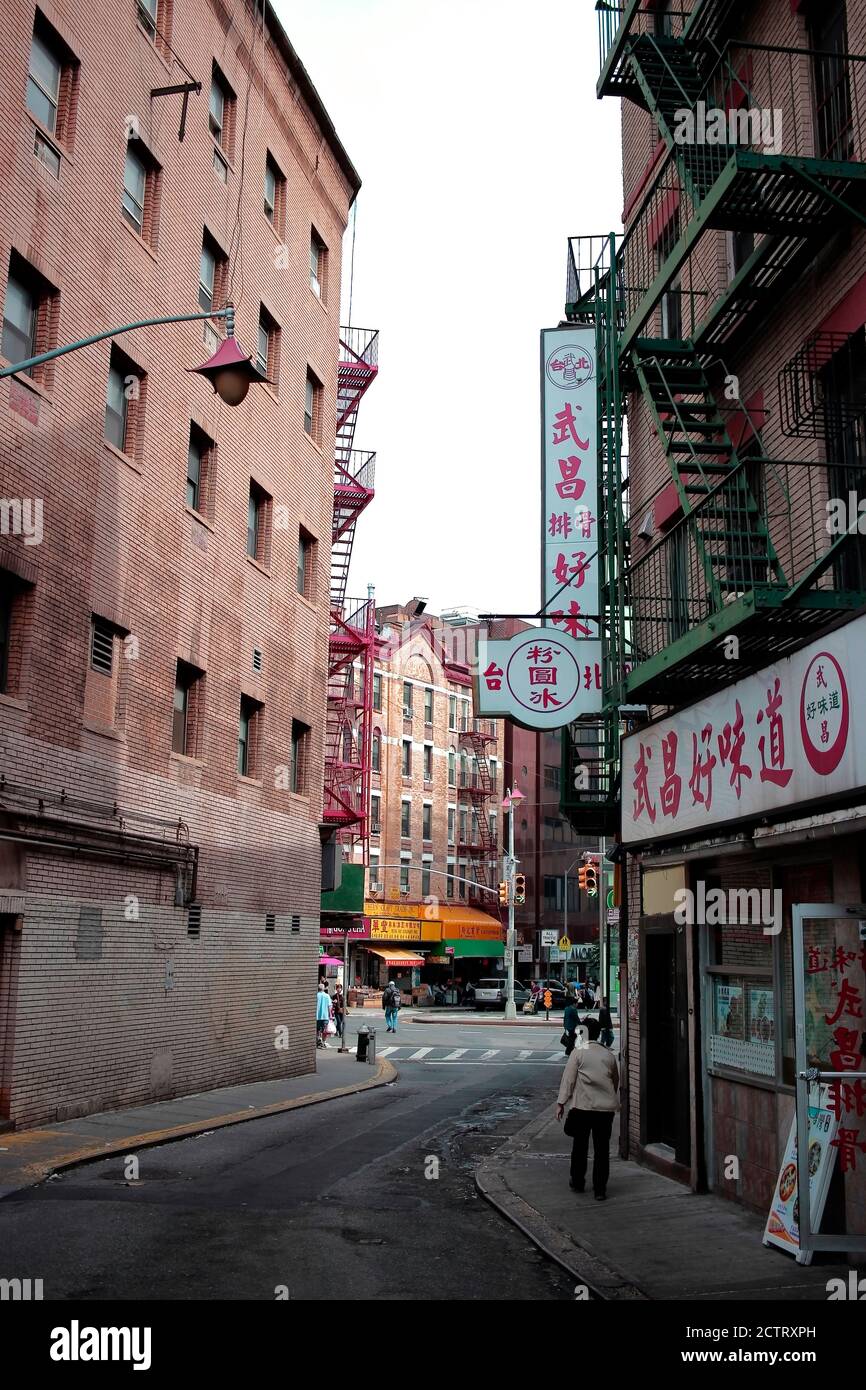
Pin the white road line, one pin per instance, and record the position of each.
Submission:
(523, 1054)
(416, 1056)
(384, 1051)
(556, 1057)
(491, 1052)
(458, 1052)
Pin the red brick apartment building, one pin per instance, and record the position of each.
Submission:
(163, 648)
(730, 325)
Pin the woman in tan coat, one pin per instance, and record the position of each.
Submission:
(589, 1098)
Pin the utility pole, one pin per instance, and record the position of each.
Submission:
(510, 800)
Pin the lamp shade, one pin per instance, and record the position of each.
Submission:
(230, 372)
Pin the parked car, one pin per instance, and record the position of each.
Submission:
(490, 994)
(557, 992)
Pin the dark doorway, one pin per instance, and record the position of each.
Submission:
(9, 941)
(665, 1072)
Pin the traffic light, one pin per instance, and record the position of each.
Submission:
(503, 894)
(591, 880)
(582, 876)
(519, 889)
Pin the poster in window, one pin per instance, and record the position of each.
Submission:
(762, 1023)
(730, 1022)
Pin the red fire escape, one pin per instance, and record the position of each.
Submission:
(349, 718)
(475, 791)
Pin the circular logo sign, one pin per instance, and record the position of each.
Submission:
(569, 366)
(824, 713)
(543, 676)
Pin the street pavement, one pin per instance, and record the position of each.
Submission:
(366, 1196)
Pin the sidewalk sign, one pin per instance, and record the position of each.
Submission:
(783, 1222)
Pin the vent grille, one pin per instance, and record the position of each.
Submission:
(270, 921)
(102, 646)
(193, 919)
(257, 659)
(296, 924)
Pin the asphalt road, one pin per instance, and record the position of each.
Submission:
(336, 1201)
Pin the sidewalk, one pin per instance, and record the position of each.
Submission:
(492, 1018)
(29, 1156)
(652, 1239)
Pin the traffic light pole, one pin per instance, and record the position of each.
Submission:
(510, 1006)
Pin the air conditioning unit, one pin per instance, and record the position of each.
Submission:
(404, 892)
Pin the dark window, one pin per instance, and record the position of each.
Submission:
(312, 407)
(406, 819)
(211, 275)
(306, 567)
(828, 38)
(663, 20)
(428, 763)
(377, 751)
(449, 882)
(375, 812)
(318, 266)
(44, 78)
(377, 690)
(452, 768)
(551, 777)
(427, 823)
(407, 700)
(147, 12)
(428, 706)
(404, 877)
(274, 196)
(199, 460)
(258, 510)
(7, 597)
(270, 921)
(407, 757)
(186, 690)
(249, 723)
(102, 636)
(742, 246)
(300, 744)
(20, 316)
(221, 112)
(425, 880)
(122, 402)
(843, 387)
(451, 819)
(268, 346)
(671, 301)
(452, 711)
(134, 188)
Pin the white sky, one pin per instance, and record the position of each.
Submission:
(481, 145)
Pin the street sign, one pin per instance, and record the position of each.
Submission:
(449, 950)
(548, 936)
(613, 916)
(548, 998)
(564, 943)
(539, 678)
(556, 956)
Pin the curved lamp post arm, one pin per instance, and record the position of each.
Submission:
(228, 313)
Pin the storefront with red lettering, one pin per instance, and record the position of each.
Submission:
(736, 813)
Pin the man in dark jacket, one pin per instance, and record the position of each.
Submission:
(391, 1003)
(605, 1023)
(570, 1024)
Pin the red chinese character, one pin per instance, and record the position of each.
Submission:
(847, 1143)
(813, 968)
(592, 677)
(825, 731)
(842, 959)
(846, 1055)
(846, 1096)
(544, 654)
(672, 786)
(493, 676)
(731, 743)
(642, 797)
(819, 677)
(702, 769)
(572, 623)
(542, 675)
(776, 773)
(544, 698)
(562, 569)
(565, 425)
(584, 519)
(560, 525)
(571, 485)
(849, 1003)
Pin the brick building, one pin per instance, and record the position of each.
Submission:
(163, 649)
(729, 322)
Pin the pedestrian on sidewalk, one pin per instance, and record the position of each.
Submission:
(391, 1003)
(597, 996)
(339, 1011)
(323, 1014)
(589, 1097)
(605, 1023)
(570, 1023)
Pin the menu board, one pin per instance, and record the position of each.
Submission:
(783, 1223)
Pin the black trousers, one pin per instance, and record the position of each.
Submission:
(599, 1124)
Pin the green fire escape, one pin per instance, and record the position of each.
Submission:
(741, 552)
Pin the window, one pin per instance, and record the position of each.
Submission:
(268, 346)
(428, 762)
(449, 881)
(452, 816)
(10, 596)
(186, 691)
(51, 80)
(464, 779)
(406, 819)
(102, 636)
(258, 524)
(375, 814)
(138, 201)
(306, 563)
(831, 81)
(374, 872)
(221, 112)
(248, 736)
(663, 20)
(377, 690)
(428, 706)
(198, 468)
(211, 275)
(312, 407)
(318, 266)
(377, 751)
(407, 757)
(462, 876)
(407, 700)
(427, 821)
(123, 402)
(275, 195)
(300, 744)
(671, 301)
(29, 317)
(464, 839)
(425, 878)
(404, 876)
(452, 768)
(147, 16)
(452, 711)
(492, 824)
(551, 777)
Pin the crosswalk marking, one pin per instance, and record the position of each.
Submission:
(524, 1053)
(421, 1052)
(458, 1052)
(469, 1056)
(491, 1052)
(556, 1057)
(383, 1051)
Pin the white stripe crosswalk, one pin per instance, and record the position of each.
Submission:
(469, 1056)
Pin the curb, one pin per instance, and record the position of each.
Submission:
(603, 1281)
(35, 1173)
(491, 1023)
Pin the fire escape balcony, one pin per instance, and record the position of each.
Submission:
(620, 25)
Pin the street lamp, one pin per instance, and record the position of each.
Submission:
(229, 371)
(511, 799)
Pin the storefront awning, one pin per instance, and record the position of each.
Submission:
(465, 924)
(396, 957)
(463, 949)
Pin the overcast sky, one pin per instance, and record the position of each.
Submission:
(481, 145)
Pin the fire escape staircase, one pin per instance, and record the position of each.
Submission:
(481, 848)
(727, 576)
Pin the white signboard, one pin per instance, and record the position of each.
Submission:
(783, 1222)
(556, 957)
(524, 954)
(569, 408)
(540, 678)
(795, 732)
(549, 936)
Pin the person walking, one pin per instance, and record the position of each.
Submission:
(589, 1098)
(391, 1003)
(339, 1011)
(323, 1014)
(605, 1023)
(570, 1022)
(597, 995)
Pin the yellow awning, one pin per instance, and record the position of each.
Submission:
(396, 957)
(469, 924)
